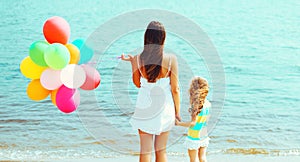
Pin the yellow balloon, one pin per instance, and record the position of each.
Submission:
(74, 53)
(31, 70)
(53, 96)
(36, 91)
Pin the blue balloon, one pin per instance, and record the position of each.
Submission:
(78, 43)
(86, 53)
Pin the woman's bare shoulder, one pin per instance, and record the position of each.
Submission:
(170, 56)
(173, 60)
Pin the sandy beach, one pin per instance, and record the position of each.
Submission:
(217, 158)
(213, 158)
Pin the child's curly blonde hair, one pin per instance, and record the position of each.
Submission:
(198, 92)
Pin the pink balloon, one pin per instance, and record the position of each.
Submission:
(92, 80)
(50, 79)
(67, 100)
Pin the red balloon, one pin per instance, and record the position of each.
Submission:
(56, 30)
(92, 80)
(67, 100)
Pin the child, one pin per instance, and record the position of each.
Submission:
(197, 140)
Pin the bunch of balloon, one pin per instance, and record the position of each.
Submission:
(58, 68)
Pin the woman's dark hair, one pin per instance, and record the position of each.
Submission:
(151, 57)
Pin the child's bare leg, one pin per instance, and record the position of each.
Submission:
(192, 155)
(202, 154)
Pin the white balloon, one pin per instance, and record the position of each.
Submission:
(50, 79)
(72, 76)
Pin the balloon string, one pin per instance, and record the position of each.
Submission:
(111, 59)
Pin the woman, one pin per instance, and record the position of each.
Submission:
(158, 103)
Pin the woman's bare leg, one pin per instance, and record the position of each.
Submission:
(202, 154)
(146, 142)
(192, 155)
(160, 145)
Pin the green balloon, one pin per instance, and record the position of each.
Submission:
(36, 52)
(57, 56)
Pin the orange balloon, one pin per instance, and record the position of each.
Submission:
(74, 53)
(36, 91)
(53, 96)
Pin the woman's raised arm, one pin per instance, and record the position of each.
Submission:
(135, 71)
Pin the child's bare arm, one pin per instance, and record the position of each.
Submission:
(184, 124)
(187, 124)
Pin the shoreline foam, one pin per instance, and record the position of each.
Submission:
(212, 158)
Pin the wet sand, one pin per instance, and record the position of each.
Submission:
(212, 158)
(215, 158)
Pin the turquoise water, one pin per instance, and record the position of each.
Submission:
(258, 43)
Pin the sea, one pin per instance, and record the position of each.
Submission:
(254, 76)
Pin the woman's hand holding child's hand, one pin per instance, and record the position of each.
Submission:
(192, 123)
(177, 116)
(177, 122)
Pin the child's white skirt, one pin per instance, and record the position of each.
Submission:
(196, 144)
